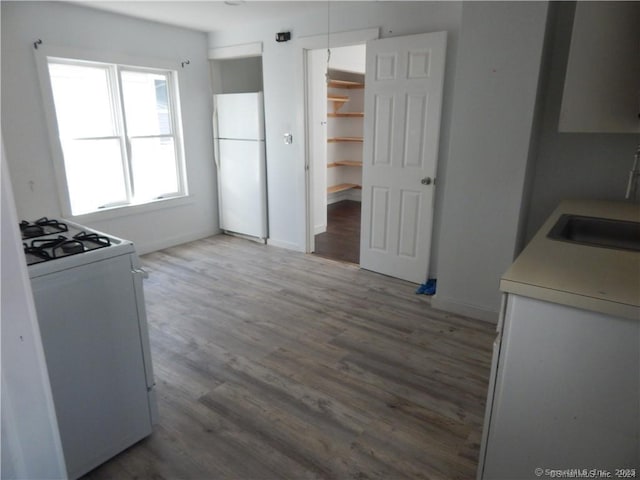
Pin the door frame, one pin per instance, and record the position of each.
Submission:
(315, 42)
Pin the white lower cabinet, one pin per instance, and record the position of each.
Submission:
(564, 394)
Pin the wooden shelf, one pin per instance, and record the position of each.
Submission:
(344, 163)
(336, 158)
(342, 187)
(338, 101)
(346, 114)
(344, 139)
(344, 84)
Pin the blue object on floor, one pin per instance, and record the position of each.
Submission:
(428, 288)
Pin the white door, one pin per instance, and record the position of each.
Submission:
(403, 99)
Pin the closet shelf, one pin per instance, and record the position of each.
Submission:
(345, 114)
(344, 163)
(338, 101)
(344, 139)
(342, 187)
(344, 84)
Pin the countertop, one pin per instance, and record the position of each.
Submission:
(599, 279)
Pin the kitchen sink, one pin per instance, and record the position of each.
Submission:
(597, 232)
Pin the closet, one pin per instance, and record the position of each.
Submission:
(345, 115)
(337, 144)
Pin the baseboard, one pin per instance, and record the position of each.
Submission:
(459, 308)
(336, 197)
(246, 237)
(353, 194)
(162, 243)
(283, 244)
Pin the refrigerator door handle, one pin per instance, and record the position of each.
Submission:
(216, 149)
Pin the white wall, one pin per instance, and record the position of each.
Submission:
(25, 133)
(282, 69)
(30, 441)
(495, 94)
(349, 59)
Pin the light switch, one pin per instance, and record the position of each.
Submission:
(288, 138)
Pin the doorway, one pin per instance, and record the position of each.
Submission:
(403, 98)
(335, 86)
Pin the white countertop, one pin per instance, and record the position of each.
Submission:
(604, 280)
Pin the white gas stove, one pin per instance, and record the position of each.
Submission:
(88, 292)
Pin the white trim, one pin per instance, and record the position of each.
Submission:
(122, 211)
(284, 244)
(236, 51)
(473, 311)
(166, 242)
(339, 39)
(55, 148)
(353, 194)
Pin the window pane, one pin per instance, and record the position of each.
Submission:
(153, 162)
(146, 103)
(95, 174)
(82, 100)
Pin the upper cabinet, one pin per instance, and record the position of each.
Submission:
(602, 84)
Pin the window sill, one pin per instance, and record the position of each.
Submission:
(128, 210)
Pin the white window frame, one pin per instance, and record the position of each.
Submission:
(122, 63)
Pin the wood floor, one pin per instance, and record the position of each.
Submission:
(272, 364)
(341, 241)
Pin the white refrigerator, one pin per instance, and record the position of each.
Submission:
(238, 126)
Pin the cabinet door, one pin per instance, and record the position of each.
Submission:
(567, 392)
(601, 90)
(89, 324)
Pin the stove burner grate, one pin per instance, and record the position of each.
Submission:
(40, 227)
(99, 240)
(44, 249)
(44, 221)
(42, 243)
(68, 247)
(35, 254)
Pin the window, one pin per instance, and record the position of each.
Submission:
(119, 133)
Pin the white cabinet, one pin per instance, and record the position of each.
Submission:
(564, 392)
(602, 83)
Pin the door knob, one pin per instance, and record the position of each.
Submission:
(426, 181)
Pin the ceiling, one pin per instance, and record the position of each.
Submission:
(208, 16)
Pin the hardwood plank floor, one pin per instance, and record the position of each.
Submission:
(273, 364)
(341, 241)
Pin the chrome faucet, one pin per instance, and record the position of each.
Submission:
(634, 174)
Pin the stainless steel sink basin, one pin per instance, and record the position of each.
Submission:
(597, 232)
